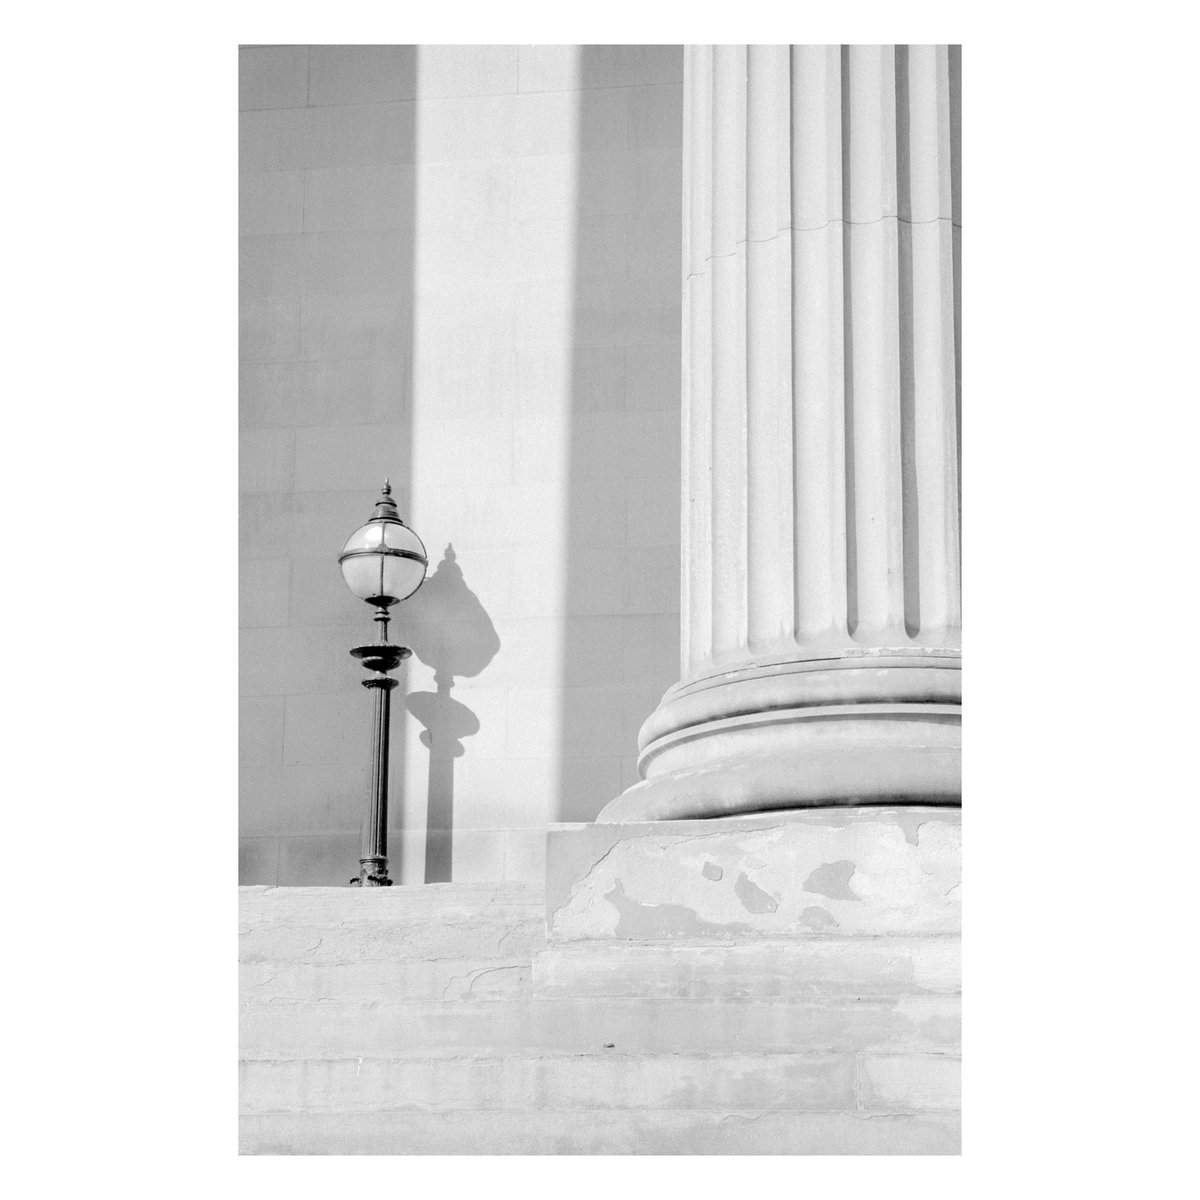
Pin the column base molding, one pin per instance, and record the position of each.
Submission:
(863, 728)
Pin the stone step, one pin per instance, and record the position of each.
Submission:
(761, 1083)
(486, 976)
(760, 969)
(317, 903)
(462, 922)
(629, 1131)
(321, 906)
(518, 964)
(284, 1030)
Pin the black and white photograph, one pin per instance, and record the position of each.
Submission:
(521, 510)
(601, 401)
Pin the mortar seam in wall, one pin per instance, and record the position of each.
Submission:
(523, 1000)
(729, 1110)
(591, 945)
(610, 87)
(568, 1055)
(599, 87)
(585, 943)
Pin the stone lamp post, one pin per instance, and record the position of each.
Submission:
(383, 562)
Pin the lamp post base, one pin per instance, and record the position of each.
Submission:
(372, 873)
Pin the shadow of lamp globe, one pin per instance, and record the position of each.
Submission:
(453, 634)
(383, 562)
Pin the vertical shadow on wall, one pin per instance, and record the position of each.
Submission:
(407, 66)
(386, 350)
(354, 335)
(450, 631)
(610, 298)
(384, 329)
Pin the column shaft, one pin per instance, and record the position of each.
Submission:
(820, 611)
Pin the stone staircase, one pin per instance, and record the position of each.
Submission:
(437, 1020)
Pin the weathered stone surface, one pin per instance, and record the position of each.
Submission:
(373, 982)
(762, 968)
(437, 1019)
(300, 906)
(467, 1019)
(612, 1081)
(800, 874)
(903, 1082)
(628, 1132)
(346, 925)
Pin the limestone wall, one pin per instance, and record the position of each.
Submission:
(674, 991)
(460, 268)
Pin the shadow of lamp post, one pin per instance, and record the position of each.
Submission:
(383, 562)
(453, 634)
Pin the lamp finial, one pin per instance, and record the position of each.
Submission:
(385, 506)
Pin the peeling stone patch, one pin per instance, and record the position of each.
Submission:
(656, 881)
(833, 880)
(911, 823)
(817, 918)
(635, 920)
(753, 898)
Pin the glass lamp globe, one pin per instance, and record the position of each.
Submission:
(383, 561)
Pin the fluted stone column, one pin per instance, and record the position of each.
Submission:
(820, 604)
